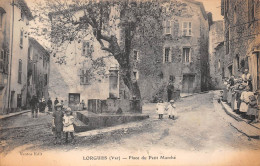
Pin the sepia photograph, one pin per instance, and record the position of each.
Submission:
(129, 82)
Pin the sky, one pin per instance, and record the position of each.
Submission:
(213, 6)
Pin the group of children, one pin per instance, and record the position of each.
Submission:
(169, 108)
(62, 123)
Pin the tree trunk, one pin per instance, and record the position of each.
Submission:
(131, 84)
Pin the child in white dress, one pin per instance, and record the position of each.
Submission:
(68, 127)
(171, 108)
(160, 108)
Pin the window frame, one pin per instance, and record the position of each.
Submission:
(167, 27)
(184, 57)
(84, 80)
(136, 74)
(2, 18)
(188, 28)
(164, 55)
(251, 11)
(45, 79)
(137, 55)
(86, 52)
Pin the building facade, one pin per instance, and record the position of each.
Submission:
(242, 38)
(15, 17)
(80, 69)
(171, 53)
(216, 38)
(38, 71)
(5, 29)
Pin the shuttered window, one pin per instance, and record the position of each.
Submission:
(251, 10)
(186, 54)
(2, 64)
(186, 29)
(87, 49)
(20, 68)
(21, 38)
(167, 27)
(84, 76)
(167, 54)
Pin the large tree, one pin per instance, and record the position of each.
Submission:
(102, 18)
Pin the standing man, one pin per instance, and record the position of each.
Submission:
(49, 104)
(34, 108)
(56, 102)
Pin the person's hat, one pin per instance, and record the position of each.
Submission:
(68, 109)
(172, 101)
(58, 105)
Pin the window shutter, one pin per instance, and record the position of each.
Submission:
(190, 28)
(91, 49)
(222, 7)
(172, 27)
(163, 55)
(176, 29)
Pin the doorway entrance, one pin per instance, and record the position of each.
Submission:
(188, 83)
(74, 98)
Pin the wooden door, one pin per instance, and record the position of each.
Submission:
(188, 83)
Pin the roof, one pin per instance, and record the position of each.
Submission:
(38, 45)
(200, 4)
(73, 9)
(25, 9)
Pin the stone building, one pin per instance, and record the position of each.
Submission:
(171, 53)
(173, 57)
(14, 18)
(38, 70)
(80, 69)
(216, 38)
(242, 38)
